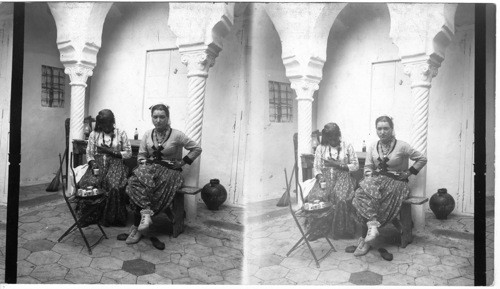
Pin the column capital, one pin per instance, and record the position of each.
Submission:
(199, 61)
(421, 71)
(79, 30)
(78, 74)
(304, 88)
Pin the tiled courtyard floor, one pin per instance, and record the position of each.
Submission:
(210, 251)
(441, 254)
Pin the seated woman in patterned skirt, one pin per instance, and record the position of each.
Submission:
(380, 195)
(106, 149)
(333, 160)
(155, 181)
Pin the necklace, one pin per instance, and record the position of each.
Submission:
(387, 148)
(160, 137)
(157, 149)
(330, 151)
(159, 144)
(104, 141)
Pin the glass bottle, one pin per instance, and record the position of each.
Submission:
(364, 147)
(86, 130)
(136, 134)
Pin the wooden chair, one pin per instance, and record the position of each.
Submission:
(301, 213)
(71, 202)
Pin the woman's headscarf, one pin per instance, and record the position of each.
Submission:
(104, 115)
(161, 106)
(331, 130)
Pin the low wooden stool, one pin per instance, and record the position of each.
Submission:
(405, 222)
(177, 214)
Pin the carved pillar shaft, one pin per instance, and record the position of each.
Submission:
(420, 118)
(304, 124)
(77, 111)
(304, 91)
(421, 74)
(196, 100)
(198, 64)
(78, 76)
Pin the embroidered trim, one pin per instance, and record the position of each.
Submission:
(383, 162)
(339, 148)
(157, 150)
(112, 138)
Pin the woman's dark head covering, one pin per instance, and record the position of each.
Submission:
(331, 130)
(385, 118)
(104, 116)
(160, 106)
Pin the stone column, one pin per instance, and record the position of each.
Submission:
(421, 73)
(304, 91)
(422, 32)
(78, 76)
(303, 29)
(198, 62)
(200, 28)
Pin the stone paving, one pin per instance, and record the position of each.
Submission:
(210, 251)
(441, 254)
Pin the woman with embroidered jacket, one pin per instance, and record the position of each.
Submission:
(334, 159)
(106, 149)
(155, 181)
(381, 193)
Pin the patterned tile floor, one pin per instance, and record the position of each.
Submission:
(441, 254)
(210, 251)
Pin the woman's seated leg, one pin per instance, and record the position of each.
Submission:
(134, 234)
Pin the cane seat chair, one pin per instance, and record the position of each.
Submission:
(302, 213)
(79, 221)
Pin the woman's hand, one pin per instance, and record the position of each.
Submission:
(178, 164)
(104, 150)
(332, 163)
(404, 175)
(336, 164)
(92, 164)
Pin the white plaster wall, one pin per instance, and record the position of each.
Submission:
(223, 107)
(450, 112)
(359, 37)
(270, 145)
(132, 29)
(6, 16)
(42, 130)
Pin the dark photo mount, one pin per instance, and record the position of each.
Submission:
(16, 103)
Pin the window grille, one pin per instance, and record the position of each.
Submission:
(281, 97)
(53, 79)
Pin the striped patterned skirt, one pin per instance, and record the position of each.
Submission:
(153, 186)
(112, 179)
(339, 223)
(379, 197)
